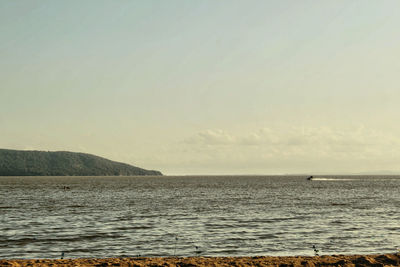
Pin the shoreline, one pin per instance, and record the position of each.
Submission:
(324, 260)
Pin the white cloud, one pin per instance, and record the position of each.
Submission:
(295, 149)
(211, 137)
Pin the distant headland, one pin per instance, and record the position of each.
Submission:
(63, 163)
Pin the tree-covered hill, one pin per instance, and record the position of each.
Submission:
(63, 163)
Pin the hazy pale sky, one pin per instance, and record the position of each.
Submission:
(205, 87)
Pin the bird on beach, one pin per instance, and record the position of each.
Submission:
(62, 255)
(198, 252)
(315, 250)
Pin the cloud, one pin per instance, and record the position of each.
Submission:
(272, 150)
(299, 141)
(211, 137)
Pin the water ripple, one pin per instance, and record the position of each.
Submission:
(221, 216)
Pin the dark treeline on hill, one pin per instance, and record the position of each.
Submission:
(63, 163)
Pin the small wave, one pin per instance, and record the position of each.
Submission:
(236, 239)
(340, 204)
(393, 228)
(337, 222)
(219, 226)
(266, 236)
(29, 240)
(134, 228)
(79, 250)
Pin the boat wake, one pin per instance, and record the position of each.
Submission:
(332, 179)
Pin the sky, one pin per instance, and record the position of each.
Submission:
(205, 87)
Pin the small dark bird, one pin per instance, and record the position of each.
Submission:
(62, 255)
(315, 250)
(198, 252)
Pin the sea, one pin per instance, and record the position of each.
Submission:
(100, 217)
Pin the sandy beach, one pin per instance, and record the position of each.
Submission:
(334, 260)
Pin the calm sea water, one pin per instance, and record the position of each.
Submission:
(220, 215)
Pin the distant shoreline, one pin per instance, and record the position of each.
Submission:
(64, 163)
(325, 260)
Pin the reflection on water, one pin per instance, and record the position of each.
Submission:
(221, 215)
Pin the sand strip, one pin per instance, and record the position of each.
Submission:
(326, 261)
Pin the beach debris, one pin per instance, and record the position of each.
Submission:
(315, 250)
